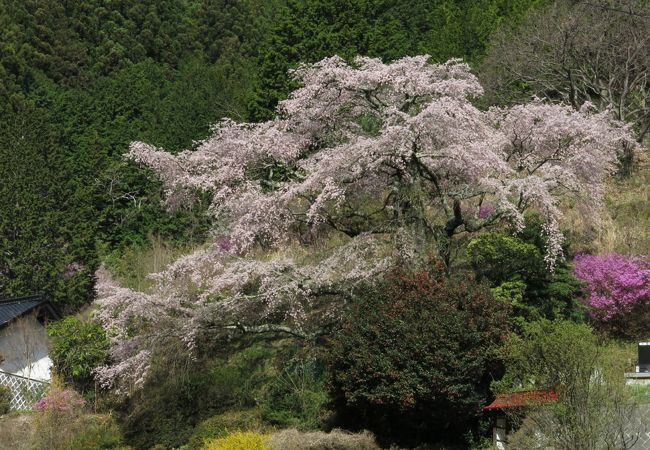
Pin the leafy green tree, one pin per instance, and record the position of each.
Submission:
(514, 266)
(500, 257)
(77, 347)
(594, 408)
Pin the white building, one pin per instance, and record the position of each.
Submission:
(23, 341)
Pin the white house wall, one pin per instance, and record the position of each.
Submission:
(23, 345)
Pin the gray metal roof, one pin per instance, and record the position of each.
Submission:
(13, 308)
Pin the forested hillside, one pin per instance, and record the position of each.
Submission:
(269, 215)
(97, 76)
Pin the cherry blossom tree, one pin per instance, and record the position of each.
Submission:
(364, 165)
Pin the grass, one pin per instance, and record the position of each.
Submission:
(132, 266)
(292, 439)
(625, 220)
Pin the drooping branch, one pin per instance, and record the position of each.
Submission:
(280, 329)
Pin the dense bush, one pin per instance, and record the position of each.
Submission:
(296, 396)
(5, 399)
(76, 348)
(413, 360)
(514, 266)
(617, 289)
(500, 258)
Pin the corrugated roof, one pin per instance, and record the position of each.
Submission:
(13, 308)
(523, 398)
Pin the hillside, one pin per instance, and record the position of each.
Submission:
(267, 220)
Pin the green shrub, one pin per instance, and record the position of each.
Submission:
(181, 392)
(220, 425)
(413, 359)
(5, 399)
(77, 347)
(296, 397)
(514, 266)
(499, 258)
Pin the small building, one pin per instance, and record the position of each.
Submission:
(24, 359)
(641, 374)
(513, 401)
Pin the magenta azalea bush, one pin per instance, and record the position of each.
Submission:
(63, 401)
(615, 284)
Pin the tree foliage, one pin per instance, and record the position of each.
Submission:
(310, 30)
(577, 52)
(76, 349)
(514, 266)
(501, 257)
(46, 231)
(414, 357)
(594, 408)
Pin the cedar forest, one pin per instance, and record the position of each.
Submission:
(328, 224)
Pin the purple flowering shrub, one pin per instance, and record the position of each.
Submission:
(61, 401)
(62, 421)
(617, 289)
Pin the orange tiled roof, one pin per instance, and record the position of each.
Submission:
(523, 398)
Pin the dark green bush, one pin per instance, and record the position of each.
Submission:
(415, 356)
(181, 392)
(500, 258)
(5, 399)
(296, 397)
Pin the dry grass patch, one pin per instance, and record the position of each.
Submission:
(625, 219)
(293, 439)
(16, 431)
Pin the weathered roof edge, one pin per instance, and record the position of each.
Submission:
(522, 399)
(29, 304)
